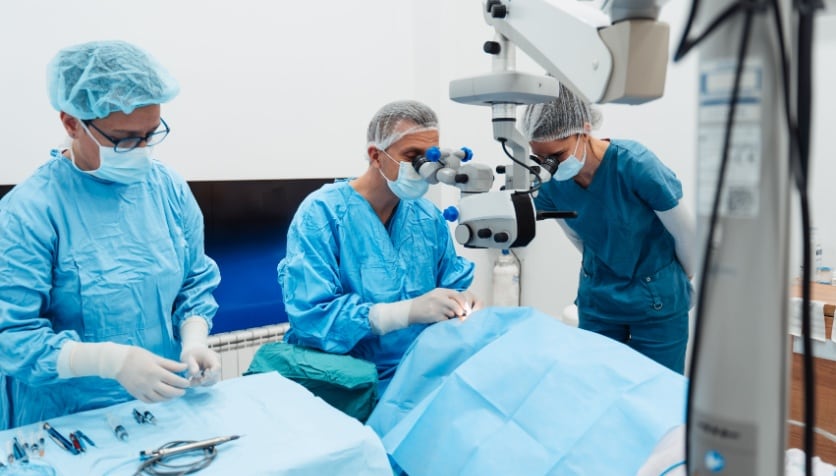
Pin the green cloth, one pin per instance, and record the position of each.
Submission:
(347, 383)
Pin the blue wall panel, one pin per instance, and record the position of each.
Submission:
(246, 230)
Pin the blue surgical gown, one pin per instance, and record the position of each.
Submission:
(630, 273)
(341, 260)
(93, 261)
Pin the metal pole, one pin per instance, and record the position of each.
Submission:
(738, 407)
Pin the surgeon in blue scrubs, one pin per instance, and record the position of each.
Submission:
(636, 237)
(105, 290)
(370, 263)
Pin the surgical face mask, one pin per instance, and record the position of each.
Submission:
(409, 185)
(120, 167)
(570, 167)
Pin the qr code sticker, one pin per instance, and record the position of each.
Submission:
(740, 200)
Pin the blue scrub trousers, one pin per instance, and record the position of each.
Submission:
(663, 340)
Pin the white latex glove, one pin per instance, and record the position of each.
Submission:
(150, 377)
(693, 284)
(470, 302)
(145, 376)
(204, 364)
(437, 305)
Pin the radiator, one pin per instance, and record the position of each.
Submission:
(237, 348)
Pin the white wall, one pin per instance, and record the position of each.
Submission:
(269, 89)
(275, 90)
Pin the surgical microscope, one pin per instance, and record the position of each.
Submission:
(635, 73)
(618, 53)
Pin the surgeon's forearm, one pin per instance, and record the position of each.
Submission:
(83, 359)
(681, 224)
(388, 317)
(570, 233)
(334, 325)
(194, 332)
(203, 277)
(195, 297)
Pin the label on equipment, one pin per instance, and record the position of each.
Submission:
(740, 197)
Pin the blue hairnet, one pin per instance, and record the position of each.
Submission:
(397, 119)
(92, 80)
(560, 118)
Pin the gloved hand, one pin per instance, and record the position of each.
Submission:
(470, 302)
(437, 305)
(204, 364)
(150, 377)
(145, 376)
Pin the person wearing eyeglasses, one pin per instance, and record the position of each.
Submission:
(105, 289)
(636, 237)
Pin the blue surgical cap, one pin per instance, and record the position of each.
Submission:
(92, 80)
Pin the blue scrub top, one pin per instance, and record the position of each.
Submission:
(629, 269)
(94, 261)
(341, 260)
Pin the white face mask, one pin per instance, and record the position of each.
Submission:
(120, 167)
(570, 167)
(409, 185)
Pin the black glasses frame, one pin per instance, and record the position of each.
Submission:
(130, 143)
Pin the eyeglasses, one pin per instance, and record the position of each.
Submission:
(554, 158)
(392, 158)
(130, 143)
